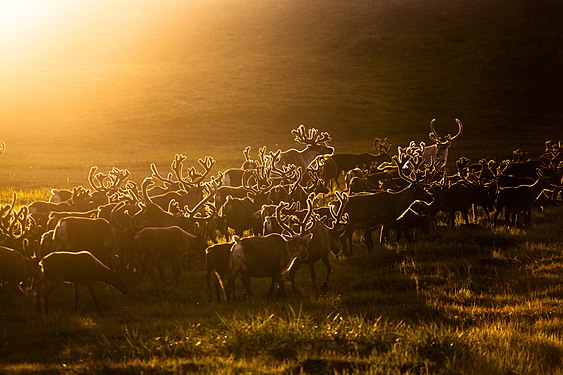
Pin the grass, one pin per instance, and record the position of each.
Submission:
(488, 303)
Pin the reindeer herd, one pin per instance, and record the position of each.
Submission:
(264, 219)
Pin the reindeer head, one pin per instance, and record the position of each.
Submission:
(448, 138)
(313, 139)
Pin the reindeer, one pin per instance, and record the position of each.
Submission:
(439, 150)
(156, 245)
(326, 237)
(316, 145)
(217, 262)
(367, 211)
(347, 161)
(18, 229)
(265, 256)
(415, 217)
(233, 176)
(520, 199)
(80, 233)
(16, 269)
(188, 188)
(242, 214)
(77, 268)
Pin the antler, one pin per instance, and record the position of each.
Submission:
(195, 178)
(287, 222)
(448, 138)
(2, 148)
(145, 185)
(402, 161)
(15, 224)
(107, 183)
(166, 180)
(382, 147)
(257, 180)
(311, 137)
(195, 213)
(459, 130)
(96, 179)
(338, 217)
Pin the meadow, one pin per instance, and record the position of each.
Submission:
(469, 300)
(216, 76)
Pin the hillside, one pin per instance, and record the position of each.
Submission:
(137, 83)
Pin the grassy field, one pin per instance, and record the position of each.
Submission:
(469, 300)
(210, 77)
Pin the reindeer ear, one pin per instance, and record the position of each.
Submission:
(307, 238)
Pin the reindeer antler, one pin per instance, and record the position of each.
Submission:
(311, 137)
(382, 147)
(15, 224)
(287, 219)
(195, 213)
(338, 217)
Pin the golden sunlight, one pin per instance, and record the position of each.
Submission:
(22, 21)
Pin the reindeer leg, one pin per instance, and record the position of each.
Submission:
(46, 296)
(408, 235)
(464, 214)
(277, 280)
(93, 297)
(176, 266)
(39, 286)
(368, 239)
(324, 286)
(292, 273)
(209, 289)
(76, 296)
(384, 234)
(313, 278)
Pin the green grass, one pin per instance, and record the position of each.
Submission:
(467, 300)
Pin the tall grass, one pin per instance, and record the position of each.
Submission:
(467, 300)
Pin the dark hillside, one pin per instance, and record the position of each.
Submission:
(218, 75)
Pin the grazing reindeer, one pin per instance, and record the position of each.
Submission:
(77, 268)
(15, 269)
(79, 233)
(156, 245)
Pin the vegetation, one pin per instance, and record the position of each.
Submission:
(472, 299)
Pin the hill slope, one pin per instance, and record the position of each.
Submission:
(132, 85)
